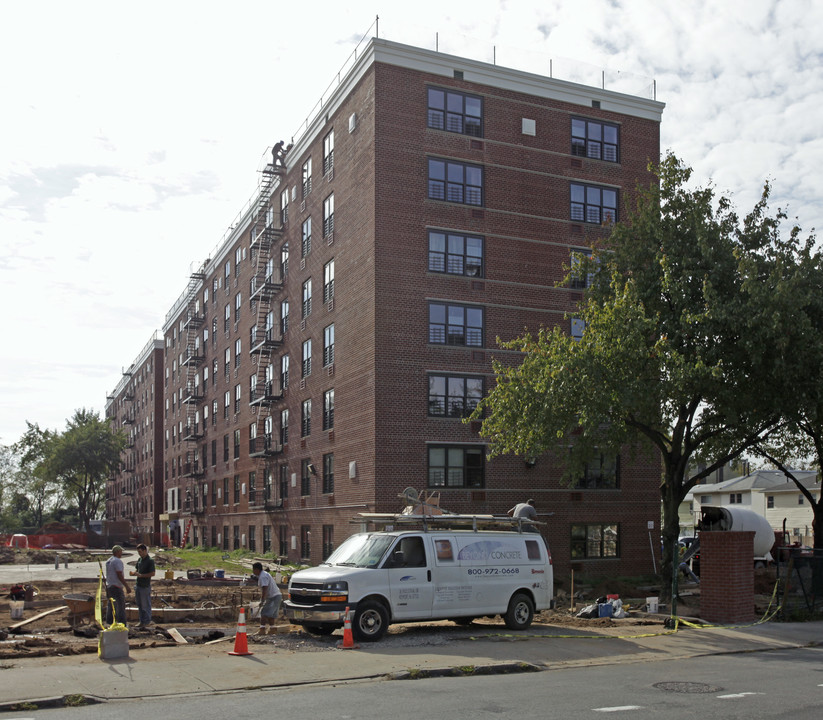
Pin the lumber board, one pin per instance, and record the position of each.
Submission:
(38, 616)
(178, 638)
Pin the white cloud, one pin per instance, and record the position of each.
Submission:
(135, 132)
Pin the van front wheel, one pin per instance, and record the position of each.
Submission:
(520, 613)
(370, 621)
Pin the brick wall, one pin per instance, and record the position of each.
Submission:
(727, 577)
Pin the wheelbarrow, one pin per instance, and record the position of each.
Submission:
(81, 608)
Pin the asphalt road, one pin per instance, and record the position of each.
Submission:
(774, 684)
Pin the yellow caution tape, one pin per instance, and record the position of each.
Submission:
(98, 610)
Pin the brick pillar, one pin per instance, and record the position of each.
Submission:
(727, 576)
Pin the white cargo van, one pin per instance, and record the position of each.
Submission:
(404, 575)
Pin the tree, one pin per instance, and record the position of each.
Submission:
(33, 478)
(678, 354)
(81, 459)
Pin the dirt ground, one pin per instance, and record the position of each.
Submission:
(61, 633)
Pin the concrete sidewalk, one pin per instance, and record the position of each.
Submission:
(209, 669)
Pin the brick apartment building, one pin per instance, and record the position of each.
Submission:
(135, 493)
(322, 361)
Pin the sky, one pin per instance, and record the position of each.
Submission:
(133, 135)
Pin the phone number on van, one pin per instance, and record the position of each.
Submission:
(494, 571)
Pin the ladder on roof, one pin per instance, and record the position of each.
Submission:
(448, 521)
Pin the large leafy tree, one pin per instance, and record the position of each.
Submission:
(680, 352)
(81, 458)
(33, 478)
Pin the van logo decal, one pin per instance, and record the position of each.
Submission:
(406, 578)
(486, 550)
(537, 572)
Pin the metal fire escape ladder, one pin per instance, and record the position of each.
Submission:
(193, 393)
(266, 337)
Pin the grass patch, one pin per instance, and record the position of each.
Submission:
(75, 701)
(210, 559)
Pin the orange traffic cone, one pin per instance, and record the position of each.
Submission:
(241, 643)
(348, 638)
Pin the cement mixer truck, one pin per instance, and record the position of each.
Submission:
(739, 519)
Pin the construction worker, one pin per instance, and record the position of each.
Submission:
(270, 598)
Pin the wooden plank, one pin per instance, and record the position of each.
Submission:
(177, 637)
(37, 617)
(219, 640)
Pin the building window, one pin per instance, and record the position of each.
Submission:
(305, 418)
(236, 444)
(283, 480)
(225, 489)
(284, 428)
(306, 298)
(236, 537)
(455, 325)
(226, 403)
(306, 174)
(328, 409)
(284, 206)
(305, 477)
(328, 281)
(284, 261)
(238, 303)
(595, 541)
(579, 276)
(226, 318)
(770, 502)
(305, 245)
(328, 345)
(268, 489)
(328, 473)
(252, 538)
(454, 395)
(305, 542)
(236, 489)
(735, 498)
(284, 372)
(328, 153)
(306, 366)
(214, 536)
(214, 496)
(603, 473)
(593, 204)
(267, 539)
(455, 254)
(800, 500)
(283, 541)
(225, 537)
(328, 216)
(225, 449)
(455, 182)
(456, 466)
(237, 393)
(328, 540)
(455, 112)
(594, 139)
(284, 317)
(252, 487)
(213, 452)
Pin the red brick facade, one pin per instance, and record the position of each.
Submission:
(386, 346)
(726, 577)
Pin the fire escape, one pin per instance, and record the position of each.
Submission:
(266, 335)
(193, 357)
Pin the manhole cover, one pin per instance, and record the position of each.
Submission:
(687, 687)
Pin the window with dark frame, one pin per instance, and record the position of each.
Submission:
(455, 182)
(328, 473)
(595, 139)
(328, 345)
(305, 477)
(306, 307)
(595, 540)
(328, 281)
(456, 466)
(456, 253)
(306, 175)
(305, 243)
(328, 409)
(328, 216)
(454, 395)
(305, 541)
(455, 325)
(593, 204)
(328, 540)
(602, 473)
(455, 112)
(305, 418)
(284, 427)
(328, 153)
(283, 481)
(306, 364)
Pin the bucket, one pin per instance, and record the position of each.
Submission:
(16, 608)
(651, 604)
(604, 610)
(220, 574)
(169, 574)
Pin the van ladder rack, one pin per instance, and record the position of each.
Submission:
(444, 521)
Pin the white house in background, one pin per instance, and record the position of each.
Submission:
(767, 492)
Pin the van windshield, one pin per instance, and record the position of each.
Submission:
(361, 551)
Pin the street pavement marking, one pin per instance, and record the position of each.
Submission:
(734, 696)
(618, 708)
